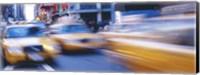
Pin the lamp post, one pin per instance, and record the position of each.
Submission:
(113, 12)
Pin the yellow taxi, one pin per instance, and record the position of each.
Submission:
(75, 36)
(27, 43)
(152, 57)
(156, 46)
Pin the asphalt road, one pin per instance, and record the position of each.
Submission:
(94, 61)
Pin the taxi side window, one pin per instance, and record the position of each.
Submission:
(15, 32)
(54, 30)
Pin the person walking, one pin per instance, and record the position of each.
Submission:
(6, 14)
(95, 26)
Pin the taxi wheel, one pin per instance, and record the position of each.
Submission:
(50, 61)
(62, 49)
(4, 61)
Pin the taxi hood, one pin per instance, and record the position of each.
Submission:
(25, 41)
(75, 36)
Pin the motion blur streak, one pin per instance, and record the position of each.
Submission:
(153, 58)
(99, 37)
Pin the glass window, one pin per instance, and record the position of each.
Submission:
(20, 32)
(88, 6)
(71, 29)
(41, 24)
(105, 5)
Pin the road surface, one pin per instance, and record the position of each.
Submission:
(94, 61)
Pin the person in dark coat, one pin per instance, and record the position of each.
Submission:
(6, 14)
(95, 26)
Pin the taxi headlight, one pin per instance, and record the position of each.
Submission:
(15, 50)
(51, 47)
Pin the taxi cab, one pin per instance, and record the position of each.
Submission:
(23, 43)
(76, 36)
(152, 57)
(161, 45)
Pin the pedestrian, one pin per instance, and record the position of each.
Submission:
(6, 14)
(95, 26)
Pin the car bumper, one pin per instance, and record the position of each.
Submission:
(74, 47)
(15, 59)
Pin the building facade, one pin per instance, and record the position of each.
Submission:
(97, 12)
(12, 12)
(133, 12)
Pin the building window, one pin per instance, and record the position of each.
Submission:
(88, 6)
(72, 6)
(105, 5)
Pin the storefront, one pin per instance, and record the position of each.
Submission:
(134, 12)
(47, 11)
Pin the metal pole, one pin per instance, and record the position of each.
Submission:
(99, 16)
(113, 12)
(15, 11)
(60, 8)
(69, 9)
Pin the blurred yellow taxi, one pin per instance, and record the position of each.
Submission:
(27, 43)
(158, 46)
(75, 36)
(154, 57)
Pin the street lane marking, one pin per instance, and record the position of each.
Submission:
(9, 67)
(47, 67)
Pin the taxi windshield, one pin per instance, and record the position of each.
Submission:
(72, 29)
(41, 24)
(20, 32)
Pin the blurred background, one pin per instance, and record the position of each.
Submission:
(138, 36)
